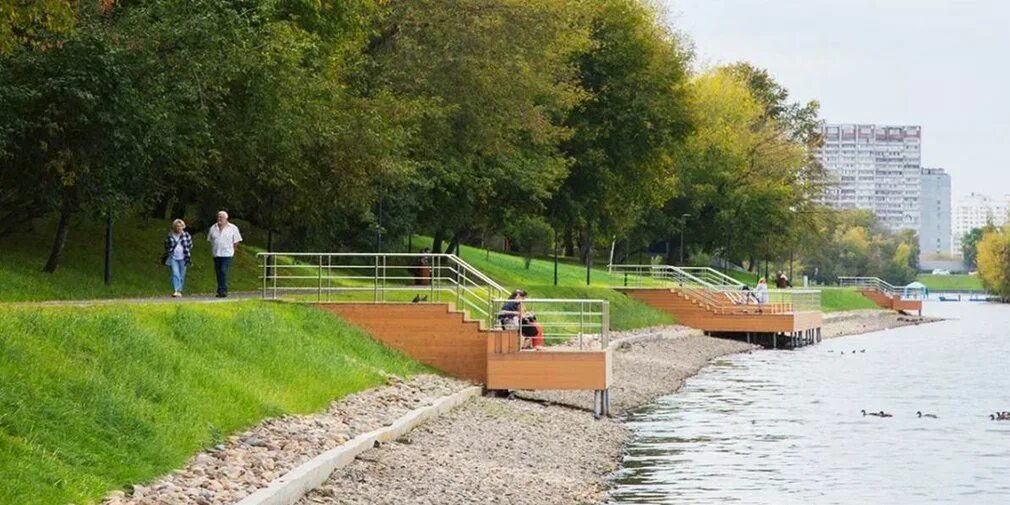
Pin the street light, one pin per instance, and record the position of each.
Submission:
(683, 224)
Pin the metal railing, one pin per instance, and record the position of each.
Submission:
(551, 322)
(883, 287)
(714, 290)
(380, 278)
(432, 278)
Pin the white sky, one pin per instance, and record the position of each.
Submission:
(944, 65)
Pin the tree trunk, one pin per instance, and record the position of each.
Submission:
(453, 244)
(179, 208)
(436, 241)
(669, 251)
(569, 243)
(61, 236)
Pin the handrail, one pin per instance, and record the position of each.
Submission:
(712, 289)
(434, 277)
(881, 286)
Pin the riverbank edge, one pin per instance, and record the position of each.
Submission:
(558, 430)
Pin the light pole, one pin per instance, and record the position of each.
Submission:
(683, 224)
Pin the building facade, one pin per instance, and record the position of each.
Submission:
(976, 211)
(934, 214)
(877, 168)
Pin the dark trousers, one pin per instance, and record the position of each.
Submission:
(221, 264)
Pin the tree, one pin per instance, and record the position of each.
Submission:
(492, 79)
(625, 134)
(73, 129)
(969, 244)
(33, 23)
(530, 235)
(994, 262)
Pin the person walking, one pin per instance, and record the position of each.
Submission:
(223, 237)
(761, 293)
(178, 249)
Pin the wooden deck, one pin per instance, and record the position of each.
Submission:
(439, 336)
(690, 312)
(895, 302)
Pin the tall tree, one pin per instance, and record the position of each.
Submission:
(494, 77)
(624, 135)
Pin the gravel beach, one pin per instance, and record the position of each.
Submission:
(538, 448)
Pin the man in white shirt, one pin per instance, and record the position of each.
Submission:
(223, 238)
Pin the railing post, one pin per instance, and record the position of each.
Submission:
(375, 281)
(275, 279)
(605, 324)
(329, 276)
(582, 323)
(266, 259)
(319, 289)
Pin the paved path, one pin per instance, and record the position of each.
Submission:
(202, 298)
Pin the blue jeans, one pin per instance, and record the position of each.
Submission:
(178, 274)
(221, 264)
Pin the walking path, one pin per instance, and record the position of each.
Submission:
(202, 298)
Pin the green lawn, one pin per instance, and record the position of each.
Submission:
(841, 299)
(951, 282)
(92, 399)
(136, 267)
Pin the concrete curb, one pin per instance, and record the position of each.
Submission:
(290, 488)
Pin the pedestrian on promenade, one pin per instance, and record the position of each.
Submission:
(761, 293)
(178, 248)
(223, 237)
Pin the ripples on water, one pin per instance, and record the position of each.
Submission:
(783, 427)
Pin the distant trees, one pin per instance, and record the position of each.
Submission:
(969, 245)
(994, 261)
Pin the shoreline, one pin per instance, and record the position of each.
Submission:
(541, 447)
(545, 447)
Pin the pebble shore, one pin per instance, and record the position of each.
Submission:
(251, 460)
(536, 448)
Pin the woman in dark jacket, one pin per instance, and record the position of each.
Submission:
(178, 249)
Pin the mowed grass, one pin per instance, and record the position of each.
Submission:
(95, 398)
(136, 269)
(841, 299)
(951, 282)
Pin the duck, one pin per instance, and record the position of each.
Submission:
(920, 414)
(876, 414)
(885, 414)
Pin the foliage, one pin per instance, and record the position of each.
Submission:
(95, 398)
(854, 243)
(531, 235)
(969, 245)
(994, 262)
(34, 22)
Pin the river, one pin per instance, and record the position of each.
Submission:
(784, 427)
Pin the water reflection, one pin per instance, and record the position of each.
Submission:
(785, 427)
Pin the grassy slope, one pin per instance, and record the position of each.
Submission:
(137, 249)
(840, 299)
(951, 282)
(95, 398)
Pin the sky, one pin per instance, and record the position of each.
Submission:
(944, 65)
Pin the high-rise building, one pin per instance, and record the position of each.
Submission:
(976, 211)
(934, 212)
(874, 167)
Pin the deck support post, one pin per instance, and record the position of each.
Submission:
(775, 340)
(598, 403)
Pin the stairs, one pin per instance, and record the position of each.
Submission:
(690, 311)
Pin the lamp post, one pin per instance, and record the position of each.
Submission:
(683, 224)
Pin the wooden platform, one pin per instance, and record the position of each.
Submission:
(439, 336)
(895, 302)
(690, 312)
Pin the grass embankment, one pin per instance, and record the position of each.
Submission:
(137, 248)
(841, 299)
(92, 399)
(951, 282)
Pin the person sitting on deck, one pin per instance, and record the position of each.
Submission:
(761, 293)
(512, 310)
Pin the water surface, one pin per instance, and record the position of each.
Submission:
(783, 427)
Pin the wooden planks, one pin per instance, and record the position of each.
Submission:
(429, 333)
(437, 336)
(895, 302)
(578, 370)
(691, 313)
